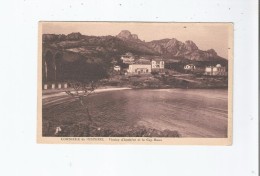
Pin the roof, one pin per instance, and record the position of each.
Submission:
(157, 59)
(127, 57)
(152, 57)
(128, 54)
(143, 61)
(218, 65)
(135, 64)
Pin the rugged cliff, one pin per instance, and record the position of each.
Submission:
(114, 46)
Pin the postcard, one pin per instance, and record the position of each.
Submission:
(159, 83)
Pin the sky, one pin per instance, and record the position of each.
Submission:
(217, 36)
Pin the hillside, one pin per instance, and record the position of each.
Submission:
(77, 57)
(171, 48)
(111, 47)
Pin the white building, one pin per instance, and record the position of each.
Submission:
(117, 68)
(139, 69)
(218, 70)
(189, 67)
(157, 64)
(128, 58)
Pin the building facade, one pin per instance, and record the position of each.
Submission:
(189, 67)
(217, 70)
(139, 69)
(128, 58)
(157, 64)
(117, 68)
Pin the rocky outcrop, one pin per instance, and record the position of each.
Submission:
(126, 35)
(188, 49)
(74, 36)
(190, 46)
(124, 42)
(53, 37)
(61, 37)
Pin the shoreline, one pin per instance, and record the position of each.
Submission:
(56, 92)
(185, 88)
(111, 88)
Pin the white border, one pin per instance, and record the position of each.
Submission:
(20, 155)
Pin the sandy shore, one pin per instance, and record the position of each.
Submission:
(111, 89)
(53, 93)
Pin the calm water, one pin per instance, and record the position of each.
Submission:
(193, 113)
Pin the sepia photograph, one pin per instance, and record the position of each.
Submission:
(129, 88)
(135, 82)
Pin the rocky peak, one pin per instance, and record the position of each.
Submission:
(135, 36)
(190, 45)
(173, 41)
(74, 36)
(126, 35)
(212, 52)
(173, 45)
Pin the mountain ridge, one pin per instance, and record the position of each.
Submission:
(125, 41)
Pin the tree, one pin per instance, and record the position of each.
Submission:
(80, 91)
